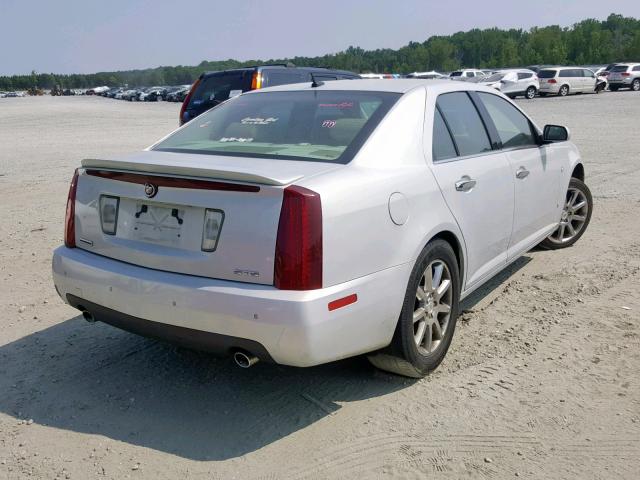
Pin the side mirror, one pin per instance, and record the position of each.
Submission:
(555, 133)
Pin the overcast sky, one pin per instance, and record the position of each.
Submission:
(85, 36)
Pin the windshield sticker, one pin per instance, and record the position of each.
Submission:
(205, 124)
(235, 93)
(337, 105)
(329, 123)
(258, 121)
(235, 139)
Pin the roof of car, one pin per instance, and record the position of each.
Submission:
(399, 85)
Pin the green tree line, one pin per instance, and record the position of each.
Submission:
(591, 41)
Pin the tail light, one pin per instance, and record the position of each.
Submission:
(70, 216)
(552, 80)
(298, 259)
(187, 99)
(626, 74)
(256, 81)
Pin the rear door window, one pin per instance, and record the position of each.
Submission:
(465, 124)
(636, 68)
(566, 73)
(522, 76)
(513, 127)
(443, 147)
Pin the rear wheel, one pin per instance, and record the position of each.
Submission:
(530, 93)
(428, 317)
(635, 86)
(575, 217)
(564, 90)
(613, 89)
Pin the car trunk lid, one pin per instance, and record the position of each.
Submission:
(166, 205)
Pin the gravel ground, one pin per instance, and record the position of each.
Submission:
(541, 380)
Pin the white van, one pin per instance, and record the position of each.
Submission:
(565, 80)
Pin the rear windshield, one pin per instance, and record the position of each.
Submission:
(217, 88)
(328, 126)
(456, 74)
(620, 68)
(547, 73)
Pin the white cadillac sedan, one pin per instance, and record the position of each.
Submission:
(308, 223)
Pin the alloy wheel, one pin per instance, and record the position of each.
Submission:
(636, 85)
(432, 308)
(531, 93)
(573, 218)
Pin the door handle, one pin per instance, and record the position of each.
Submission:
(522, 173)
(465, 184)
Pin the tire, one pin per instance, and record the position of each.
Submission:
(530, 94)
(406, 356)
(564, 91)
(635, 86)
(542, 94)
(577, 218)
(613, 89)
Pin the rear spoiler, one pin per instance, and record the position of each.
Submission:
(186, 170)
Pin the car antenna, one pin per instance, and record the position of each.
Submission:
(315, 83)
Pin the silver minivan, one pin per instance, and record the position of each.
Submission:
(625, 75)
(565, 80)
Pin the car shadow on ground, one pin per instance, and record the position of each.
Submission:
(95, 379)
(487, 292)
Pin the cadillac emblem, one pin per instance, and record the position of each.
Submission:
(150, 190)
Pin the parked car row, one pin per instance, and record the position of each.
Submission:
(148, 94)
(11, 94)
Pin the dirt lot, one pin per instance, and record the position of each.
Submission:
(541, 381)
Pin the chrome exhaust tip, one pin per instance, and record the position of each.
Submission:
(244, 360)
(86, 314)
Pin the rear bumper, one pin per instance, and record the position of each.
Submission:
(550, 88)
(621, 83)
(288, 327)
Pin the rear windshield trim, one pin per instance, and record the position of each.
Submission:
(389, 99)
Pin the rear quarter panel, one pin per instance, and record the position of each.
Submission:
(359, 235)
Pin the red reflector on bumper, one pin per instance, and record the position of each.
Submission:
(343, 302)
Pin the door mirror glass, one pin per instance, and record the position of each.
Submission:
(555, 133)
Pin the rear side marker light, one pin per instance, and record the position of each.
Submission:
(343, 302)
(109, 213)
(211, 229)
(298, 259)
(70, 215)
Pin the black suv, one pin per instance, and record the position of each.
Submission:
(213, 88)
